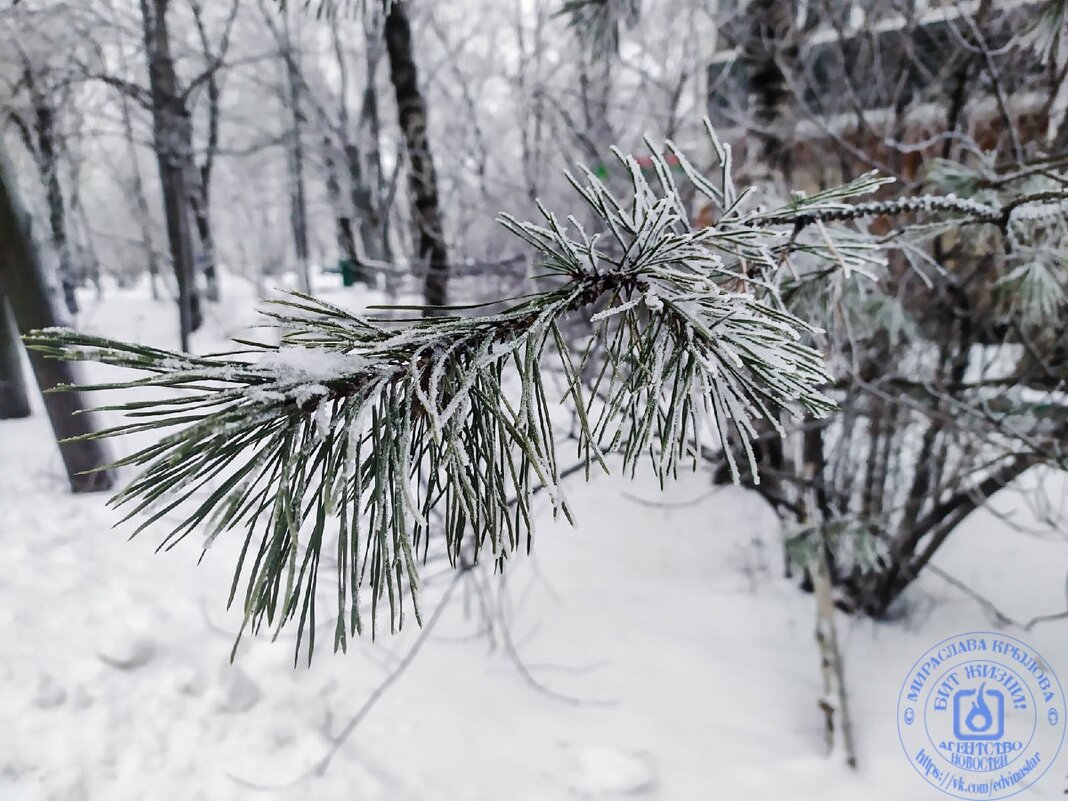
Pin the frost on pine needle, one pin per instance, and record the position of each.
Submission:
(375, 437)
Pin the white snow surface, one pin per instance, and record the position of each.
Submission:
(680, 664)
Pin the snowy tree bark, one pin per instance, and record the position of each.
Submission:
(44, 117)
(39, 135)
(23, 280)
(422, 180)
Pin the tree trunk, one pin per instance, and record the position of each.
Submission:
(14, 401)
(172, 128)
(23, 280)
(294, 88)
(200, 205)
(360, 241)
(343, 221)
(298, 203)
(381, 188)
(364, 208)
(202, 214)
(838, 723)
(422, 180)
(44, 130)
(202, 200)
(814, 511)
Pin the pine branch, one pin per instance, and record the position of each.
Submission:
(969, 211)
(386, 434)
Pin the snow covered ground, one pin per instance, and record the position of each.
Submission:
(663, 655)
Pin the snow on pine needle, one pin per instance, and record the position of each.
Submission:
(383, 435)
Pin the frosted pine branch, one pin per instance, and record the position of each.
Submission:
(373, 437)
(1038, 204)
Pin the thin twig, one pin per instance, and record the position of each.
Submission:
(999, 617)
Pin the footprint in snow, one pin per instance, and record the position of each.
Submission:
(235, 692)
(49, 693)
(603, 772)
(124, 650)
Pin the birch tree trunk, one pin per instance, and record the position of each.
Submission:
(422, 179)
(23, 280)
(813, 508)
(835, 700)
